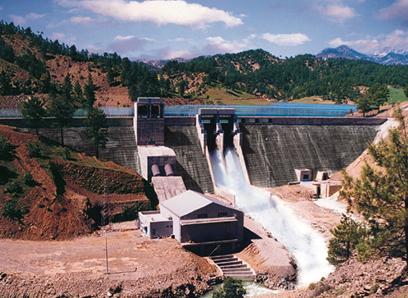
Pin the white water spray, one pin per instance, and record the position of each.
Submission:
(306, 245)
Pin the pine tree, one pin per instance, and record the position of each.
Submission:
(381, 194)
(346, 237)
(364, 105)
(110, 75)
(406, 91)
(62, 110)
(89, 93)
(33, 112)
(182, 87)
(67, 88)
(97, 128)
(378, 95)
(78, 94)
(6, 87)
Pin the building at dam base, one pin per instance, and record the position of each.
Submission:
(194, 220)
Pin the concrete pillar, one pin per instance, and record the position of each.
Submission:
(219, 139)
(155, 170)
(168, 169)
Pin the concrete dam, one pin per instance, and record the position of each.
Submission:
(233, 151)
(272, 146)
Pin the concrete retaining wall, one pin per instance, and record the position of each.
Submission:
(120, 148)
(273, 152)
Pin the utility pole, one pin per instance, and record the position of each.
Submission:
(106, 231)
(106, 252)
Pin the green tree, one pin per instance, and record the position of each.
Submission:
(6, 87)
(346, 237)
(182, 86)
(378, 94)
(78, 93)
(110, 75)
(63, 111)
(12, 211)
(364, 105)
(97, 128)
(381, 194)
(89, 92)
(67, 88)
(406, 91)
(232, 288)
(33, 112)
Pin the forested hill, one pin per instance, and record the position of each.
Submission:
(33, 64)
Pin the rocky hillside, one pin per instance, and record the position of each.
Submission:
(50, 192)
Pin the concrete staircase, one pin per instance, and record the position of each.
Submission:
(232, 266)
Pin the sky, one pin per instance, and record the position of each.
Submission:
(168, 29)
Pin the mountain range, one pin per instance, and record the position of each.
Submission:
(388, 57)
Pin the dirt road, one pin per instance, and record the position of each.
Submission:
(78, 267)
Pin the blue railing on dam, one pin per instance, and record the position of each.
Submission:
(109, 111)
(276, 109)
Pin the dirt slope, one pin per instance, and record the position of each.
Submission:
(68, 194)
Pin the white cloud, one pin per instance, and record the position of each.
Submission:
(128, 44)
(338, 12)
(397, 10)
(217, 44)
(22, 20)
(161, 12)
(81, 20)
(397, 40)
(292, 39)
(169, 54)
(62, 37)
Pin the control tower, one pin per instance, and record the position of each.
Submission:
(149, 121)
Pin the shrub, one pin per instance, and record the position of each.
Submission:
(29, 180)
(232, 288)
(14, 188)
(6, 149)
(58, 178)
(130, 212)
(6, 175)
(12, 211)
(34, 150)
(66, 154)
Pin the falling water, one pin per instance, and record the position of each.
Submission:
(306, 245)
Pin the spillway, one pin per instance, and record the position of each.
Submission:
(305, 244)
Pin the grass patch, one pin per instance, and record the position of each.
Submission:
(221, 93)
(397, 95)
(313, 100)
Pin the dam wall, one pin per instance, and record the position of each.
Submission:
(191, 163)
(120, 146)
(273, 147)
(272, 152)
